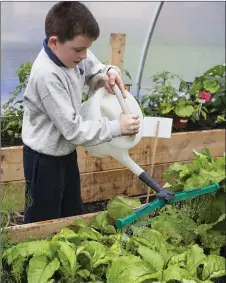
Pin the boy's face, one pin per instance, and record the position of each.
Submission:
(72, 52)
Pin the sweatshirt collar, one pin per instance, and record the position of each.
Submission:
(51, 55)
(54, 58)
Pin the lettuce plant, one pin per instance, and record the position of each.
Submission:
(167, 249)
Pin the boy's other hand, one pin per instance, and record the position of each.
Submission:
(130, 124)
(114, 78)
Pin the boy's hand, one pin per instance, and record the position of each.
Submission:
(114, 78)
(130, 124)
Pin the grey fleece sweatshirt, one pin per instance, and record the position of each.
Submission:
(52, 99)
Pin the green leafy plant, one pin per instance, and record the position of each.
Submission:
(11, 124)
(221, 118)
(210, 80)
(208, 210)
(213, 82)
(166, 99)
(203, 171)
(170, 247)
(23, 74)
(12, 110)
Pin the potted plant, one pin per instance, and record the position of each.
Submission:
(168, 101)
(211, 89)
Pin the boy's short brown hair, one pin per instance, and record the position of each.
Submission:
(68, 19)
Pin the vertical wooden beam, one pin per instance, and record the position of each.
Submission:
(117, 49)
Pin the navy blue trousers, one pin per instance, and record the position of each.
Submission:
(53, 187)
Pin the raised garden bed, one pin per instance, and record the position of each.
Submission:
(105, 178)
(15, 218)
(186, 240)
(180, 254)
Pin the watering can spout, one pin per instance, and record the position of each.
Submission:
(123, 157)
(161, 193)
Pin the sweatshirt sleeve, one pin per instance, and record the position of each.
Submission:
(93, 66)
(58, 106)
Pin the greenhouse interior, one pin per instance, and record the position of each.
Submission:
(113, 120)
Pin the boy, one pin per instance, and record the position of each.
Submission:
(52, 126)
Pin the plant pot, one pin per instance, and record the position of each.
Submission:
(180, 122)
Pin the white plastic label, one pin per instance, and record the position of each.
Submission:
(165, 127)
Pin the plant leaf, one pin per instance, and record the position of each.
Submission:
(101, 223)
(211, 85)
(184, 111)
(130, 269)
(121, 206)
(40, 269)
(214, 267)
(154, 258)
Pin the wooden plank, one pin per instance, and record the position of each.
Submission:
(105, 185)
(12, 163)
(43, 229)
(13, 196)
(96, 186)
(180, 146)
(117, 50)
(141, 154)
(176, 149)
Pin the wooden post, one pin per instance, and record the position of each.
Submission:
(153, 157)
(117, 49)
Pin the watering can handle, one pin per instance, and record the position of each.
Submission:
(121, 100)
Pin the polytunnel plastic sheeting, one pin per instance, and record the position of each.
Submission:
(22, 32)
(131, 18)
(189, 38)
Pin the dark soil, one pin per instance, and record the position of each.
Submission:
(6, 142)
(17, 219)
(102, 205)
(208, 124)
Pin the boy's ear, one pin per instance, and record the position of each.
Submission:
(52, 41)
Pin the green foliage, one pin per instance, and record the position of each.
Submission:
(11, 123)
(122, 206)
(210, 80)
(213, 81)
(208, 210)
(166, 100)
(221, 118)
(12, 117)
(203, 171)
(173, 248)
(184, 110)
(23, 76)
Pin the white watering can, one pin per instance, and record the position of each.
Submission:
(103, 104)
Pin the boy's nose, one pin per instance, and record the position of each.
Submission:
(83, 55)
